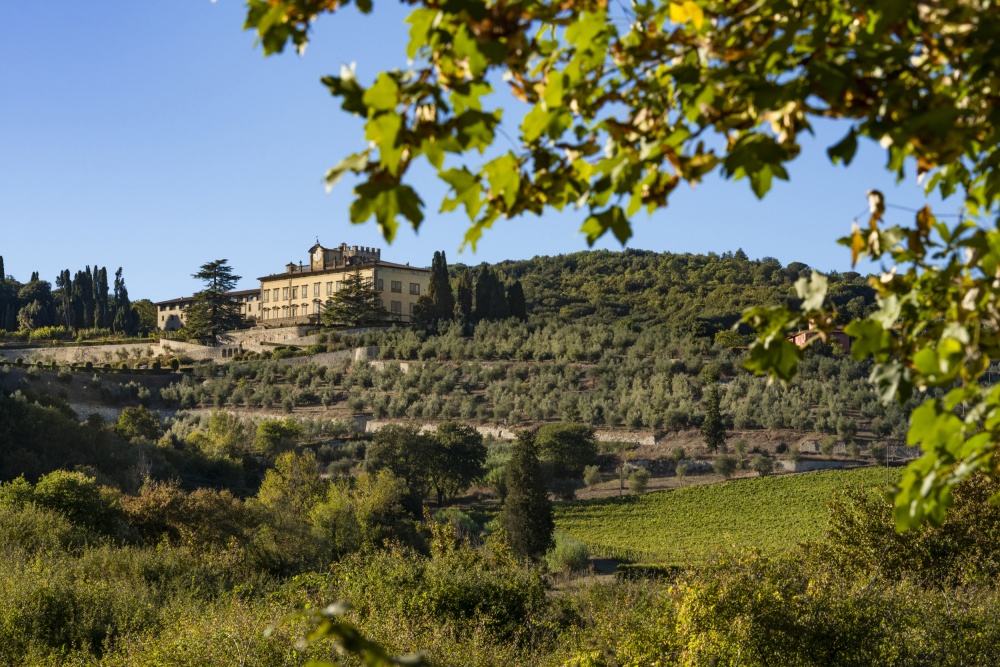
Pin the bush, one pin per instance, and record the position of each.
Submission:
(638, 481)
(592, 475)
(681, 470)
(724, 465)
(65, 376)
(678, 454)
(568, 555)
(175, 364)
(762, 465)
(878, 451)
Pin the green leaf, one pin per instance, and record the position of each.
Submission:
(468, 191)
(614, 219)
(776, 356)
(466, 47)
(356, 163)
(892, 380)
(383, 130)
(812, 291)
(384, 95)
(870, 339)
(421, 20)
(347, 87)
(843, 150)
(386, 201)
(504, 175)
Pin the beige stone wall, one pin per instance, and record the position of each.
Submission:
(80, 354)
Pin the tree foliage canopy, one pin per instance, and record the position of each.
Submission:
(213, 310)
(623, 104)
(358, 303)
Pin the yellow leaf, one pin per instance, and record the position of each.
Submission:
(925, 220)
(694, 13)
(687, 11)
(858, 243)
(678, 13)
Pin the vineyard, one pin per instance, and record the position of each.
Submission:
(691, 524)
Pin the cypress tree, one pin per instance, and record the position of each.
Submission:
(439, 290)
(125, 320)
(713, 429)
(526, 515)
(491, 299)
(101, 306)
(463, 296)
(515, 301)
(439, 302)
(3, 276)
(65, 284)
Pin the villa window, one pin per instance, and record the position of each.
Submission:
(396, 286)
(415, 288)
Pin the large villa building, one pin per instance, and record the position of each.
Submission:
(297, 295)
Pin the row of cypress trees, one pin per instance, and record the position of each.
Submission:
(82, 300)
(477, 295)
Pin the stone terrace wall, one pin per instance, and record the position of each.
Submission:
(97, 354)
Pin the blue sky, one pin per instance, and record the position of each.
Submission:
(152, 135)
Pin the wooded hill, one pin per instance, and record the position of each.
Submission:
(685, 291)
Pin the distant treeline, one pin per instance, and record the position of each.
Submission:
(698, 294)
(83, 300)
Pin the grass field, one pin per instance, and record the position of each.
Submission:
(691, 524)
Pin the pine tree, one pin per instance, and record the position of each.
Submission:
(526, 515)
(357, 304)
(515, 301)
(713, 429)
(213, 310)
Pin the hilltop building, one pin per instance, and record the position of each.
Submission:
(298, 294)
(170, 314)
(802, 337)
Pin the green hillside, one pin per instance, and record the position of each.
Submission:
(689, 525)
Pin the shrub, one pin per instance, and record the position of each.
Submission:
(175, 364)
(568, 554)
(89, 365)
(638, 481)
(592, 475)
(826, 446)
(65, 376)
(762, 465)
(681, 470)
(678, 454)
(878, 451)
(724, 465)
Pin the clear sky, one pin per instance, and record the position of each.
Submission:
(154, 136)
